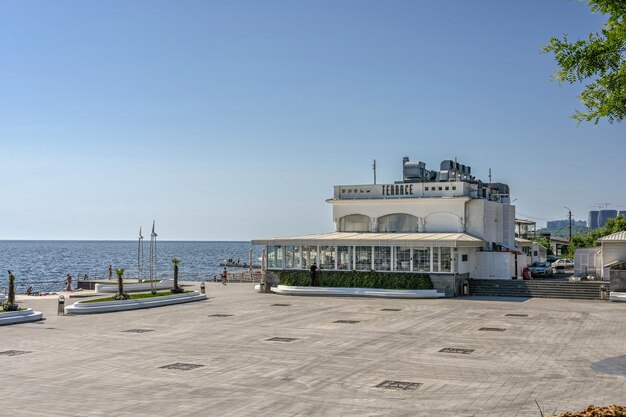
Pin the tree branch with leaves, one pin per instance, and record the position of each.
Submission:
(600, 59)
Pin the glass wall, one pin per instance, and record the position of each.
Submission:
(398, 223)
(446, 259)
(274, 256)
(309, 256)
(382, 258)
(403, 259)
(354, 223)
(327, 257)
(344, 257)
(292, 256)
(421, 259)
(363, 256)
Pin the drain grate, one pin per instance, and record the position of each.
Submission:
(220, 315)
(281, 339)
(137, 331)
(347, 321)
(14, 352)
(516, 315)
(457, 350)
(491, 329)
(399, 385)
(390, 309)
(280, 305)
(181, 366)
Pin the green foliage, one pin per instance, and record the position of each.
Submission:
(121, 295)
(600, 58)
(544, 241)
(359, 279)
(176, 288)
(614, 225)
(9, 306)
(11, 294)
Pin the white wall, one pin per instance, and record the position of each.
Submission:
(494, 265)
(611, 252)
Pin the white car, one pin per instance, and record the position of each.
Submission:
(563, 263)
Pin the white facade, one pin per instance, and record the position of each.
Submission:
(418, 225)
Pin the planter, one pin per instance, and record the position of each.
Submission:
(617, 296)
(22, 316)
(356, 292)
(123, 305)
(143, 286)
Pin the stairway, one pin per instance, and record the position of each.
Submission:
(584, 290)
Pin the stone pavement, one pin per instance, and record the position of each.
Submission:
(93, 366)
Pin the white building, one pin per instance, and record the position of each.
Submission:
(445, 223)
(599, 260)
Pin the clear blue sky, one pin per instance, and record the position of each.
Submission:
(232, 120)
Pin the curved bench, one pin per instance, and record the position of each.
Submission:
(617, 296)
(141, 286)
(82, 307)
(356, 292)
(21, 316)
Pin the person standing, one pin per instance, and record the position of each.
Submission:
(110, 271)
(314, 275)
(68, 283)
(225, 276)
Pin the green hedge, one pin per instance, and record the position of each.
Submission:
(358, 279)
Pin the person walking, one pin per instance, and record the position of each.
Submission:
(314, 275)
(225, 276)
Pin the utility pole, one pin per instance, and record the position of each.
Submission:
(570, 223)
(490, 175)
(374, 168)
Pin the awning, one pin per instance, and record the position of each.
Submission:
(454, 240)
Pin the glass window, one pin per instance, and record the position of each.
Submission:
(464, 258)
(344, 257)
(290, 256)
(354, 223)
(363, 257)
(399, 223)
(446, 259)
(274, 256)
(309, 256)
(382, 258)
(327, 257)
(435, 259)
(403, 259)
(421, 259)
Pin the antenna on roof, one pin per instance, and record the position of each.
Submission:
(374, 168)
(490, 175)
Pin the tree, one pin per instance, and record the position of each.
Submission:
(121, 295)
(601, 58)
(176, 288)
(614, 225)
(9, 304)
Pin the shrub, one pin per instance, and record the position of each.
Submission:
(359, 279)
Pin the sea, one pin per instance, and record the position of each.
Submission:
(43, 264)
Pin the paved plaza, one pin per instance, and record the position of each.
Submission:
(241, 353)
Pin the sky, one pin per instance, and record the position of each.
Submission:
(232, 120)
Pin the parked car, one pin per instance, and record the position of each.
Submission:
(541, 269)
(563, 263)
(551, 258)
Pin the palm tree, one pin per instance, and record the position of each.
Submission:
(120, 285)
(10, 303)
(176, 288)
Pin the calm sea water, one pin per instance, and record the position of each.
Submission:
(44, 264)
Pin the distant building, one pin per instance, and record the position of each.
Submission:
(598, 219)
(592, 219)
(555, 224)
